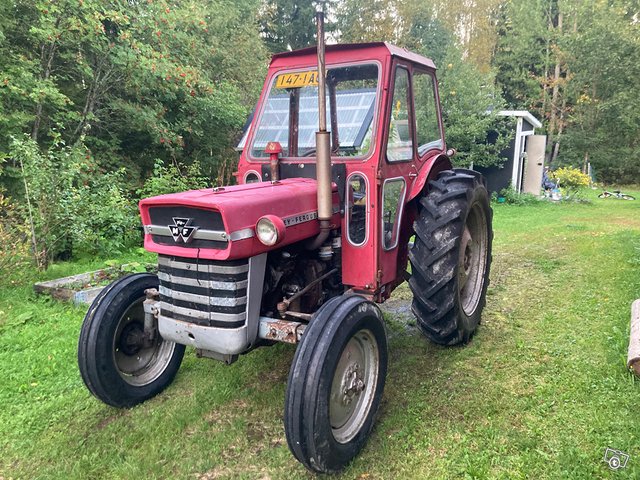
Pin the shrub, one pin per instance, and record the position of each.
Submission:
(74, 208)
(173, 178)
(15, 254)
(106, 219)
(571, 180)
(512, 197)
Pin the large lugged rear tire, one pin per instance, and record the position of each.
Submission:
(451, 256)
(114, 364)
(336, 383)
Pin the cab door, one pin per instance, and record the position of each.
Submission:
(413, 136)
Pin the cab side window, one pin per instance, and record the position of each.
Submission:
(427, 127)
(400, 143)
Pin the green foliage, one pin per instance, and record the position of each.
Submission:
(106, 220)
(522, 58)
(604, 126)
(288, 24)
(469, 102)
(511, 197)
(73, 207)
(138, 81)
(571, 180)
(15, 254)
(173, 178)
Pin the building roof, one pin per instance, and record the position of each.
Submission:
(522, 113)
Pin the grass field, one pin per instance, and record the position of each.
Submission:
(539, 393)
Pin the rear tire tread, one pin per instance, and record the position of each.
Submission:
(435, 266)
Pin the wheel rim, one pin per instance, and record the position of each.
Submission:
(137, 365)
(353, 386)
(473, 259)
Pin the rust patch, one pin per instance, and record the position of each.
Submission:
(284, 331)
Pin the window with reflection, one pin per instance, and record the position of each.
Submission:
(392, 200)
(400, 143)
(357, 209)
(251, 177)
(426, 111)
(290, 113)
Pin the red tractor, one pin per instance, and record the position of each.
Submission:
(316, 233)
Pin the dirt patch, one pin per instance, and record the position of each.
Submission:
(105, 422)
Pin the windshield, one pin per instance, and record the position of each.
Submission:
(290, 115)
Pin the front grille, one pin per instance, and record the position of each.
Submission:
(204, 292)
(204, 220)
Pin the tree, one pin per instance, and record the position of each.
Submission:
(288, 24)
(136, 80)
(372, 21)
(604, 121)
(469, 97)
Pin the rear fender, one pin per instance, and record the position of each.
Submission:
(430, 170)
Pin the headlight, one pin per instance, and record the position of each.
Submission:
(270, 230)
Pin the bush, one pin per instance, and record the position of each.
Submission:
(571, 180)
(173, 178)
(512, 197)
(74, 208)
(15, 254)
(106, 219)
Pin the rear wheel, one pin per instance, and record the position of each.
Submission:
(604, 195)
(451, 256)
(336, 383)
(115, 363)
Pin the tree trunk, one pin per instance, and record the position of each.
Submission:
(45, 74)
(553, 115)
(46, 63)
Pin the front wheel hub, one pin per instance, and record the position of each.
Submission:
(352, 384)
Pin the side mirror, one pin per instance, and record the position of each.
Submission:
(451, 152)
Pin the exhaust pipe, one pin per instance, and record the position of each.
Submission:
(323, 146)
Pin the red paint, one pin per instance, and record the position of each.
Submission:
(241, 207)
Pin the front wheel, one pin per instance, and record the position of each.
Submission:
(627, 197)
(336, 383)
(451, 256)
(116, 364)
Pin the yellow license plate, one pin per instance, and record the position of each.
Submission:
(297, 80)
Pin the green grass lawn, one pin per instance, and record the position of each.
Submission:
(539, 393)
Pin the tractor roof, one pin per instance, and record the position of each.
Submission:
(349, 52)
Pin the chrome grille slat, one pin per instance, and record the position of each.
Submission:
(202, 267)
(203, 299)
(212, 284)
(164, 231)
(204, 292)
(200, 315)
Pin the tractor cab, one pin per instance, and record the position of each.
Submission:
(384, 124)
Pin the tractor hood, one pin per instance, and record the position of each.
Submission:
(220, 223)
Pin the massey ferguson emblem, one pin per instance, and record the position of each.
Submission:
(182, 229)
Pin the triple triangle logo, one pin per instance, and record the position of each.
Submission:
(182, 229)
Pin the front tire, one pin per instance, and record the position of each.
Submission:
(627, 197)
(451, 256)
(335, 383)
(114, 363)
